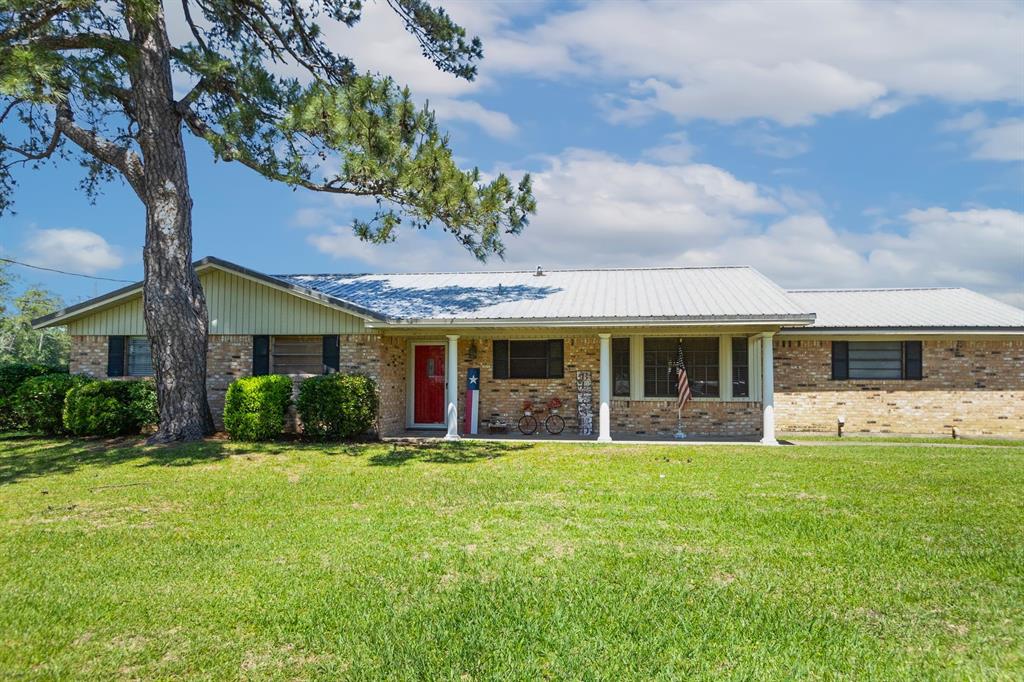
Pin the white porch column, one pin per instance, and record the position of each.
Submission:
(768, 390)
(605, 391)
(452, 378)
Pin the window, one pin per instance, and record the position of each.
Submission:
(140, 357)
(296, 355)
(660, 361)
(740, 369)
(528, 359)
(876, 360)
(620, 367)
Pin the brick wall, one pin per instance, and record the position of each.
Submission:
(504, 397)
(976, 386)
(700, 417)
(89, 356)
(384, 359)
(228, 358)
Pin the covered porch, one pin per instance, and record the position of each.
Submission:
(613, 385)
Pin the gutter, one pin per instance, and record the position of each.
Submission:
(917, 331)
(722, 320)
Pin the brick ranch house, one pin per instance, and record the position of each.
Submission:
(760, 359)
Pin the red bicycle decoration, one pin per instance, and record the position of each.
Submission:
(528, 423)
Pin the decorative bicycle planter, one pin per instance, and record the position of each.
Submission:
(530, 423)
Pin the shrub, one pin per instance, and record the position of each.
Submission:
(110, 408)
(254, 407)
(11, 377)
(39, 401)
(338, 405)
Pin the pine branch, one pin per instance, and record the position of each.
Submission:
(123, 159)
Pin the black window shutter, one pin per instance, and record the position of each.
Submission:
(332, 354)
(116, 347)
(840, 360)
(912, 368)
(555, 359)
(260, 355)
(500, 358)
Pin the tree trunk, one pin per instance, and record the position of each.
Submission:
(174, 304)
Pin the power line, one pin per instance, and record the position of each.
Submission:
(64, 272)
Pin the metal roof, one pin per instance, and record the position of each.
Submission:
(641, 296)
(677, 295)
(952, 308)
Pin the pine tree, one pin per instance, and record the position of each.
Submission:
(91, 81)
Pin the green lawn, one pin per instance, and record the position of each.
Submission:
(510, 561)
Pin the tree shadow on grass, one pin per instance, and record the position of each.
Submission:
(34, 457)
(23, 457)
(462, 452)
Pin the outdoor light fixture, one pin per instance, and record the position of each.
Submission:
(840, 423)
(471, 353)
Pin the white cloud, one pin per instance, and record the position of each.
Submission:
(1000, 141)
(1004, 141)
(730, 91)
(72, 249)
(972, 120)
(763, 141)
(982, 249)
(380, 44)
(790, 62)
(494, 123)
(596, 209)
(675, 148)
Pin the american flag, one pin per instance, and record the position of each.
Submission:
(683, 387)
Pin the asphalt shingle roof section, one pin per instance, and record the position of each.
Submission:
(907, 308)
(689, 295)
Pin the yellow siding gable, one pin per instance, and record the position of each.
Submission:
(237, 305)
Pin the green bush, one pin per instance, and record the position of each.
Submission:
(254, 407)
(39, 401)
(338, 405)
(11, 377)
(110, 408)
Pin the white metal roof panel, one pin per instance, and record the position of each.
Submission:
(685, 294)
(952, 308)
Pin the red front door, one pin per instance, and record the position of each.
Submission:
(428, 385)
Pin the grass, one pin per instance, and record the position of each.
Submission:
(480, 561)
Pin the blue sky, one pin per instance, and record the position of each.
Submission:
(839, 144)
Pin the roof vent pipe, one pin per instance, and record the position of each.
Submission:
(540, 272)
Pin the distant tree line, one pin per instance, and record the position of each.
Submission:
(19, 343)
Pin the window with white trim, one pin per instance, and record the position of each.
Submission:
(661, 359)
(620, 367)
(740, 368)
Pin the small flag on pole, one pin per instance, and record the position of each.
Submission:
(683, 391)
(683, 385)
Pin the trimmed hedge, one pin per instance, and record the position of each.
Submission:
(338, 405)
(11, 378)
(39, 401)
(110, 408)
(255, 407)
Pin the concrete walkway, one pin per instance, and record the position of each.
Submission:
(881, 442)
